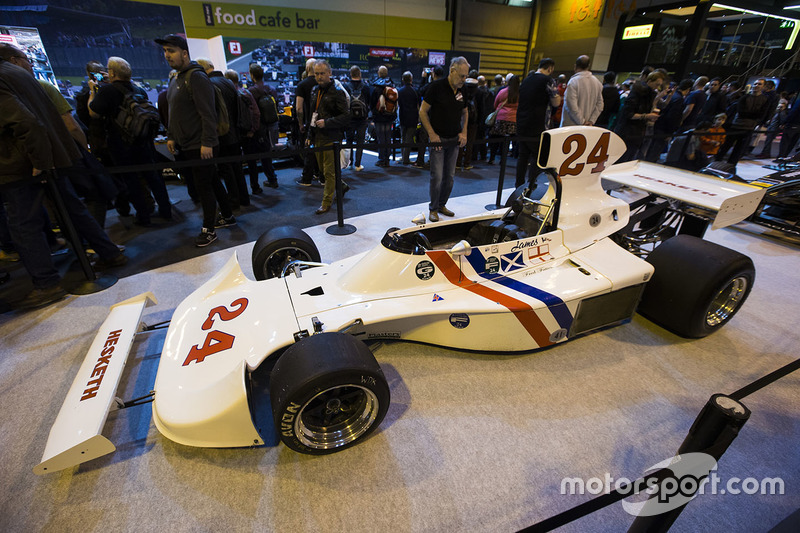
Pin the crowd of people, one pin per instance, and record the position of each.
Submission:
(455, 118)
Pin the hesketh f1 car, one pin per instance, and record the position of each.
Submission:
(285, 357)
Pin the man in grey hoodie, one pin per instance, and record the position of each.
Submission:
(192, 133)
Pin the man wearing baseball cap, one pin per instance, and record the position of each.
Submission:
(192, 133)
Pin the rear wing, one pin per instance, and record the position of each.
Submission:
(75, 436)
(730, 201)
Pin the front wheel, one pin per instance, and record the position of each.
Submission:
(697, 287)
(280, 246)
(328, 393)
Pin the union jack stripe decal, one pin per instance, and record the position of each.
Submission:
(521, 310)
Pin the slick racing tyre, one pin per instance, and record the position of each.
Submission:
(280, 246)
(697, 286)
(328, 393)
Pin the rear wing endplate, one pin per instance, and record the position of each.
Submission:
(731, 202)
(75, 436)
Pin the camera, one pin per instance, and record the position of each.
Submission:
(98, 77)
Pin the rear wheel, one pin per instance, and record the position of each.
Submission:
(280, 246)
(697, 287)
(328, 393)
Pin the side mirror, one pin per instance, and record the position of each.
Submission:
(461, 248)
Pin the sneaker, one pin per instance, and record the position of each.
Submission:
(418, 164)
(358, 168)
(446, 212)
(272, 184)
(205, 238)
(105, 264)
(433, 216)
(41, 297)
(223, 222)
(257, 190)
(300, 181)
(468, 167)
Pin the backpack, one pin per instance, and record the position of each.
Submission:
(268, 108)
(137, 119)
(359, 110)
(387, 102)
(223, 119)
(245, 116)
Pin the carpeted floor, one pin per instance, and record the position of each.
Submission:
(471, 442)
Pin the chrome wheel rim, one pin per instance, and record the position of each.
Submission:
(726, 301)
(273, 266)
(336, 416)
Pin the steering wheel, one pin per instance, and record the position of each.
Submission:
(421, 241)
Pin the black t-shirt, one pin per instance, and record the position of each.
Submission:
(534, 99)
(304, 89)
(446, 108)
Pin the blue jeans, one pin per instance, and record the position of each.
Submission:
(383, 133)
(26, 222)
(443, 169)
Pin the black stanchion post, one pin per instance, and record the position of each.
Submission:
(503, 160)
(340, 228)
(713, 431)
(92, 283)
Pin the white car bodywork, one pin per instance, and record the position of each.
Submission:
(504, 296)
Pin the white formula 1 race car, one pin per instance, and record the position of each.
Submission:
(284, 357)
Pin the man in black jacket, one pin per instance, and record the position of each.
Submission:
(302, 110)
(192, 133)
(408, 100)
(383, 118)
(636, 112)
(668, 122)
(34, 142)
(229, 144)
(610, 100)
(752, 110)
(104, 103)
(266, 136)
(329, 118)
(715, 102)
(357, 131)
